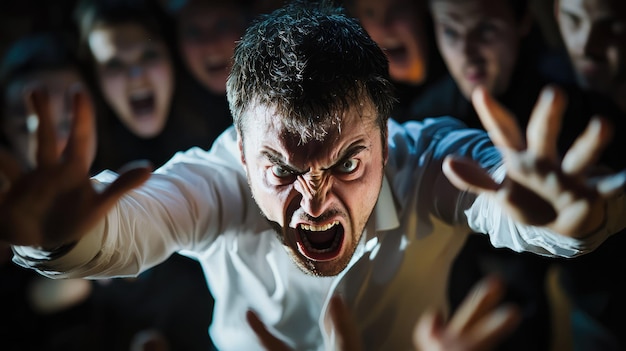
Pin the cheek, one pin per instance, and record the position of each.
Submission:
(227, 44)
(453, 59)
(375, 30)
(271, 200)
(504, 58)
(160, 73)
(193, 54)
(448, 51)
(114, 89)
(361, 194)
(405, 29)
(162, 79)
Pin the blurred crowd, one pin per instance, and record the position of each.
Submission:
(156, 71)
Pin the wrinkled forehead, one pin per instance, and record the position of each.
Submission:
(267, 121)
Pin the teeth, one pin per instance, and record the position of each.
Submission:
(318, 228)
(332, 247)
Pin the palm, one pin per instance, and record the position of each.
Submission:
(540, 188)
(55, 203)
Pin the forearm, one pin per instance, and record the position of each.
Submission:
(487, 216)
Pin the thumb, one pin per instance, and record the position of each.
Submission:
(467, 175)
(131, 176)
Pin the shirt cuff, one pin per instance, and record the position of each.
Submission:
(50, 263)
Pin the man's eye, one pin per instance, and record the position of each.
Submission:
(348, 166)
(281, 172)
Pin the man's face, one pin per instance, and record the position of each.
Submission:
(20, 124)
(479, 41)
(135, 74)
(318, 195)
(207, 37)
(594, 33)
(396, 27)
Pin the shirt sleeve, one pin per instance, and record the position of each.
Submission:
(487, 216)
(185, 205)
(418, 153)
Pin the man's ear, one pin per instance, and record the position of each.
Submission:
(385, 149)
(240, 144)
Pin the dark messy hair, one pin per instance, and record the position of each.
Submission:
(308, 62)
(88, 14)
(34, 53)
(37, 52)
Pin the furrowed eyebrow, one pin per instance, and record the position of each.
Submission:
(349, 153)
(279, 161)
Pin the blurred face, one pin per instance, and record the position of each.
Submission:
(20, 123)
(396, 27)
(207, 36)
(135, 74)
(479, 41)
(594, 33)
(317, 195)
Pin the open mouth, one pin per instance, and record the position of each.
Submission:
(142, 103)
(216, 67)
(396, 53)
(320, 242)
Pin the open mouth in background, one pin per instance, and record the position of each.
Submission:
(397, 53)
(217, 67)
(143, 103)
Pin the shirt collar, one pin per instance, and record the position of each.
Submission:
(385, 215)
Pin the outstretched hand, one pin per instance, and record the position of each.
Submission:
(540, 188)
(347, 337)
(55, 203)
(479, 324)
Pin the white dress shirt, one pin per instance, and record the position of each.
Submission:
(199, 204)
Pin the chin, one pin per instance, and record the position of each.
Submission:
(325, 257)
(320, 269)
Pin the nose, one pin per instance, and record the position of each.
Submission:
(315, 191)
(470, 45)
(135, 71)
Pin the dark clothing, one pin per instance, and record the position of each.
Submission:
(525, 274)
(173, 296)
(196, 118)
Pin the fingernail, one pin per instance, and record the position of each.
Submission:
(547, 95)
(32, 123)
(612, 183)
(503, 313)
